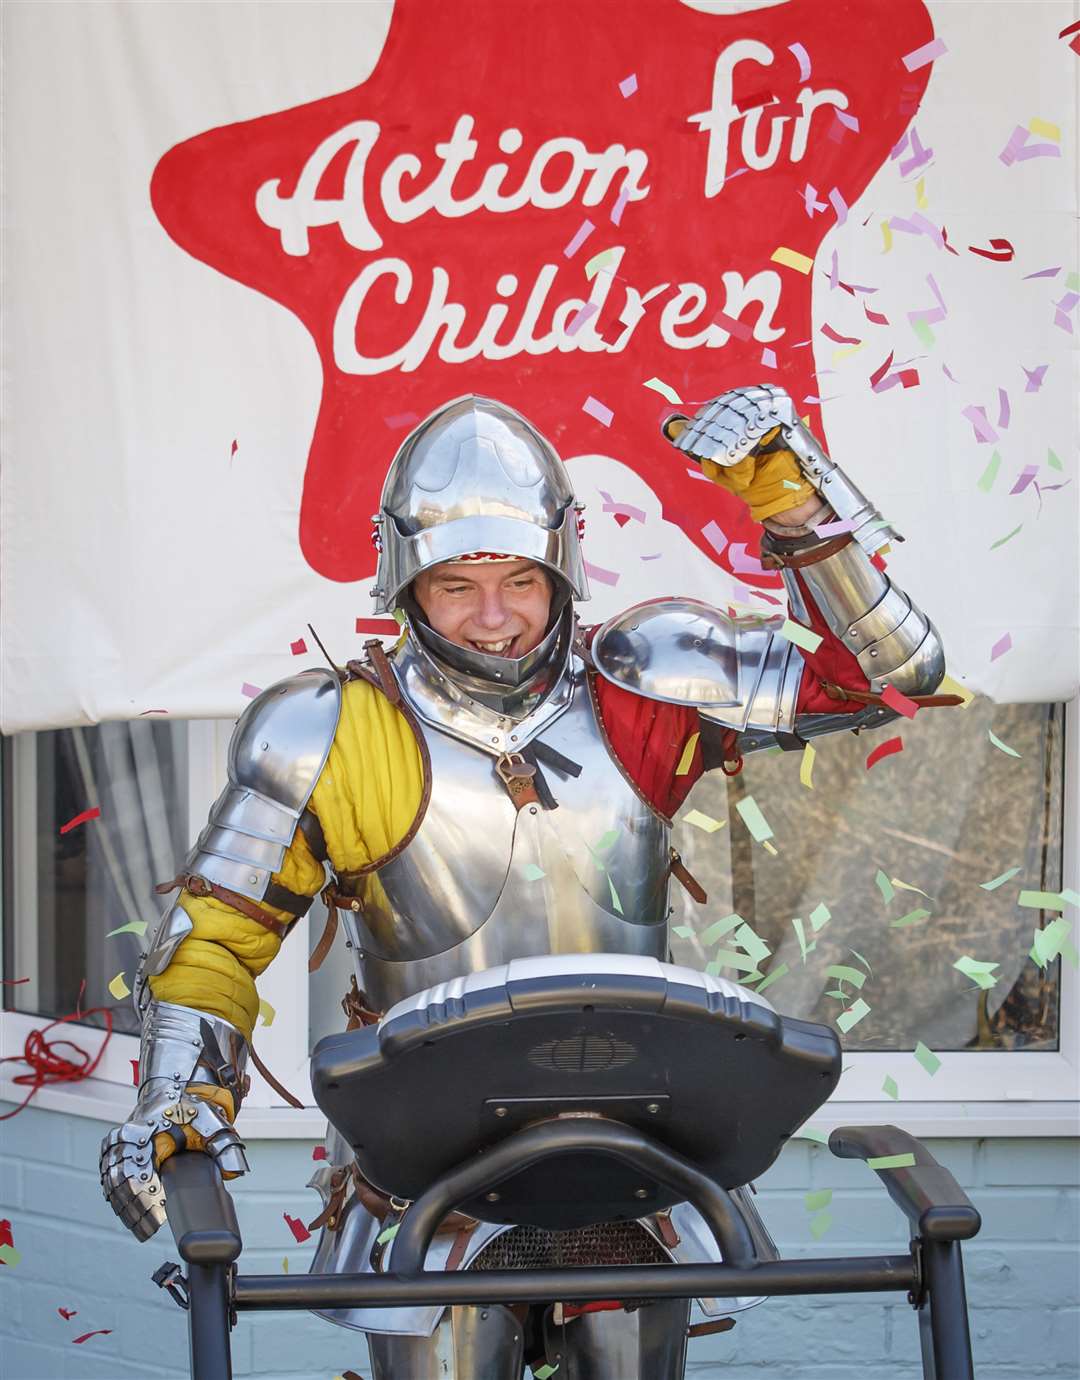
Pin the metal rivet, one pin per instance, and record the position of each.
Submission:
(653, 1107)
(495, 740)
(264, 746)
(513, 737)
(492, 1197)
(532, 809)
(873, 651)
(641, 1192)
(500, 1111)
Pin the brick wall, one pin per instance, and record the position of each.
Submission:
(1022, 1271)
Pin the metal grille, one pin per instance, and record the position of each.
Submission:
(537, 1248)
(583, 1053)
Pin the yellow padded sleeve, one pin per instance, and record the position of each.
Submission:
(366, 799)
(760, 481)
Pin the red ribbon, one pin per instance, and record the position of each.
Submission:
(48, 1066)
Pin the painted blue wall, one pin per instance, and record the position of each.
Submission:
(1022, 1271)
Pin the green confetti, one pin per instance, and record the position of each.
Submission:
(533, 873)
(616, 903)
(727, 958)
(883, 885)
(1053, 461)
(1003, 747)
(820, 916)
(863, 961)
(820, 1224)
(791, 484)
(905, 1161)
(843, 973)
(999, 881)
(598, 262)
(986, 480)
(1042, 900)
(683, 931)
(802, 637)
(1007, 537)
(818, 1199)
(774, 975)
(980, 973)
(890, 1088)
(1050, 940)
(927, 1058)
(387, 1235)
(755, 946)
(800, 935)
(1072, 282)
(132, 927)
(545, 1372)
(913, 917)
(837, 992)
(664, 389)
(9, 1255)
(719, 928)
(925, 334)
(1071, 898)
(753, 819)
(850, 1018)
(605, 843)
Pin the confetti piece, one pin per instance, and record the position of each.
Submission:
(299, 1231)
(890, 1088)
(703, 821)
(580, 236)
(921, 200)
(1045, 128)
(714, 535)
(318, 1152)
(919, 57)
(839, 205)
(233, 449)
(132, 927)
(848, 120)
(925, 335)
(1051, 941)
(619, 207)
(753, 818)
(67, 1313)
(775, 974)
(739, 329)
(985, 482)
(800, 935)
(1000, 251)
(628, 85)
(387, 1234)
(802, 57)
(532, 873)
(134, 1072)
(885, 749)
(984, 432)
(1042, 900)
(806, 766)
(249, 691)
(683, 931)
(742, 563)
(847, 1020)
(1034, 377)
(9, 1255)
(812, 1133)
(545, 1372)
(664, 389)
(802, 637)
(82, 818)
(1017, 139)
(1002, 747)
(606, 841)
(791, 258)
(1004, 410)
(768, 847)
(719, 928)
(299, 647)
(913, 917)
(285, 1264)
(615, 902)
(927, 1058)
(842, 972)
(898, 701)
(1001, 646)
(881, 881)
(266, 1012)
(597, 410)
(599, 262)
(886, 235)
(584, 314)
(119, 988)
(378, 627)
(1023, 479)
(980, 973)
(768, 358)
(13, 982)
(904, 1161)
(600, 575)
(995, 882)
(98, 1332)
(906, 886)
(817, 1199)
(1007, 537)
(1043, 273)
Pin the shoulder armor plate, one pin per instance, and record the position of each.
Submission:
(683, 651)
(282, 740)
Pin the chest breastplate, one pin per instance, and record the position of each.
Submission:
(480, 882)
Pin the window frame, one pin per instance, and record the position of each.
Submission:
(976, 1093)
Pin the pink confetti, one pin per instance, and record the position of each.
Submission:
(802, 57)
(597, 410)
(232, 452)
(584, 313)
(833, 529)
(1062, 322)
(810, 201)
(1004, 410)
(742, 563)
(834, 272)
(1023, 479)
(628, 85)
(600, 575)
(920, 156)
(898, 148)
(1017, 140)
(919, 57)
(654, 557)
(849, 121)
(738, 329)
(249, 691)
(297, 1228)
(839, 205)
(402, 419)
(984, 432)
(714, 536)
(697, 474)
(299, 647)
(319, 1153)
(1001, 646)
(1038, 151)
(898, 701)
(619, 207)
(1035, 377)
(583, 232)
(1042, 273)
(768, 358)
(621, 509)
(949, 374)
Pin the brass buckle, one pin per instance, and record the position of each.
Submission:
(511, 766)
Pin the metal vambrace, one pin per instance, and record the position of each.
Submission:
(182, 1050)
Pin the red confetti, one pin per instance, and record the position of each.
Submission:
(885, 749)
(1000, 251)
(232, 452)
(877, 560)
(898, 701)
(299, 647)
(622, 518)
(908, 377)
(319, 1153)
(135, 1073)
(5, 1233)
(1069, 29)
(739, 329)
(840, 339)
(99, 1332)
(13, 982)
(875, 316)
(378, 627)
(95, 813)
(297, 1228)
(67, 1313)
(881, 371)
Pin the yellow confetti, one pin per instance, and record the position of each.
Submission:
(768, 847)
(703, 821)
(846, 351)
(791, 258)
(1045, 128)
(119, 988)
(806, 766)
(886, 234)
(921, 199)
(906, 886)
(266, 1011)
(285, 1265)
(953, 687)
(687, 755)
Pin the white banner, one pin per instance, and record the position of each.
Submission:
(159, 415)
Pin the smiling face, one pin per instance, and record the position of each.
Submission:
(500, 608)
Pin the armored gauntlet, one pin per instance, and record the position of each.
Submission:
(192, 1081)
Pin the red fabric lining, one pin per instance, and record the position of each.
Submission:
(832, 661)
(649, 739)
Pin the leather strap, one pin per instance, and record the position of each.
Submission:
(682, 873)
(354, 1004)
(796, 560)
(332, 900)
(706, 1329)
(458, 1247)
(841, 692)
(387, 680)
(518, 776)
(312, 830)
(279, 1088)
(330, 1217)
(199, 886)
(666, 1227)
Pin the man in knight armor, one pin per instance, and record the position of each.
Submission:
(457, 787)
